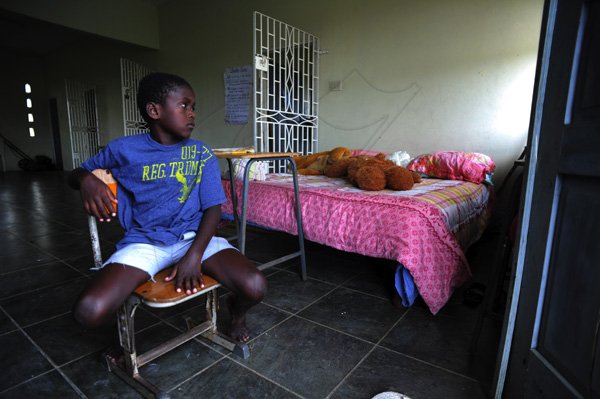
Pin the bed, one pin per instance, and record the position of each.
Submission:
(426, 229)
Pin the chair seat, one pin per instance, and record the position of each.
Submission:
(161, 294)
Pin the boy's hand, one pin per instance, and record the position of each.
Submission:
(97, 198)
(188, 275)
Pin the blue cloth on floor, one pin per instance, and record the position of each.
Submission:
(405, 286)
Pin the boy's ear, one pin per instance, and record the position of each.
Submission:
(153, 110)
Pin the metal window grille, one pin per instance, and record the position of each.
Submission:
(131, 74)
(83, 120)
(286, 89)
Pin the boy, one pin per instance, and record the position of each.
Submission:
(169, 201)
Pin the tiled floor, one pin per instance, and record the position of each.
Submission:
(334, 335)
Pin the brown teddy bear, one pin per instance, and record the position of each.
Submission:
(314, 164)
(373, 173)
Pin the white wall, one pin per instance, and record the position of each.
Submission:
(418, 76)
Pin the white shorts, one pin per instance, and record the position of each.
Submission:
(153, 258)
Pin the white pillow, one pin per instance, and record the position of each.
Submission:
(258, 169)
(400, 158)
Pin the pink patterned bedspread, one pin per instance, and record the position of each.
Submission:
(419, 228)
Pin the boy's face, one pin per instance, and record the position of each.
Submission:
(175, 118)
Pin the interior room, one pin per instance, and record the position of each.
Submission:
(411, 76)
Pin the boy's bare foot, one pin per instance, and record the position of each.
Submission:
(237, 329)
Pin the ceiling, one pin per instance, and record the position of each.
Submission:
(28, 36)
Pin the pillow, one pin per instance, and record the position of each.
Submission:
(400, 158)
(258, 169)
(454, 165)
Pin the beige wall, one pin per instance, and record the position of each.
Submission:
(132, 21)
(95, 62)
(418, 76)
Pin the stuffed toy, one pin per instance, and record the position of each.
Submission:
(372, 173)
(314, 164)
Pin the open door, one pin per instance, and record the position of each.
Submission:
(556, 302)
(83, 120)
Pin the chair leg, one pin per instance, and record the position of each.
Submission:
(237, 348)
(129, 371)
(126, 323)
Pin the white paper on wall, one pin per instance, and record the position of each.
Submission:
(238, 86)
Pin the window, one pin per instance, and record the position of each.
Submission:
(29, 105)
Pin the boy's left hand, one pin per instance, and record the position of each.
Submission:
(188, 275)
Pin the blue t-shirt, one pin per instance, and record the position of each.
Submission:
(163, 189)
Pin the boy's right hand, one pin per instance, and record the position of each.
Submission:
(98, 199)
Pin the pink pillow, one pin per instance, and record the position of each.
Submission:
(454, 165)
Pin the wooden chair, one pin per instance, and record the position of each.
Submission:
(157, 294)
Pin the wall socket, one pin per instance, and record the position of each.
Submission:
(335, 85)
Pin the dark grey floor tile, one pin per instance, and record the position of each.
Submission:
(63, 245)
(24, 359)
(385, 371)
(287, 291)
(92, 377)
(63, 340)
(50, 385)
(440, 340)
(358, 314)
(378, 281)
(144, 319)
(44, 228)
(177, 365)
(304, 357)
(260, 248)
(84, 262)
(227, 379)
(6, 324)
(456, 306)
(22, 259)
(172, 311)
(11, 244)
(334, 271)
(70, 239)
(30, 308)
(258, 319)
(34, 278)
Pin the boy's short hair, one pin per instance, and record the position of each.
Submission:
(154, 88)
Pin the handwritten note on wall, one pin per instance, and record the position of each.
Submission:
(238, 87)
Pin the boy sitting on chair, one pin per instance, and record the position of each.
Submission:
(169, 203)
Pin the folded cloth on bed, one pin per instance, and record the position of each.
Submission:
(418, 228)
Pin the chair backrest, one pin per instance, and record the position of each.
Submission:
(109, 180)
